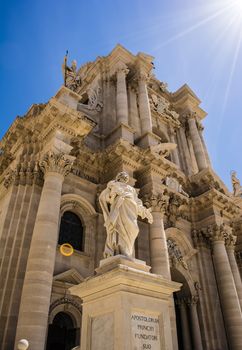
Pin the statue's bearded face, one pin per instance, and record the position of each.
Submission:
(123, 177)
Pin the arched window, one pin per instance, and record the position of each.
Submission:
(71, 230)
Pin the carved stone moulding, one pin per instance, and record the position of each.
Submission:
(175, 254)
(65, 300)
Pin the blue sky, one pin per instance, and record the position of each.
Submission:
(194, 42)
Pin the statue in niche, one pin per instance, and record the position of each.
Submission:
(237, 189)
(121, 207)
(71, 79)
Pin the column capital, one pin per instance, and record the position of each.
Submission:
(217, 233)
(122, 68)
(57, 163)
(230, 241)
(26, 173)
(200, 126)
(200, 238)
(191, 115)
(157, 203)
(143, 77)
(213, 233)
(9, 178)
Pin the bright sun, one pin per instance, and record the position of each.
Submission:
(236, 6)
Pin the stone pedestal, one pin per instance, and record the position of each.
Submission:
(125, 307)
(121, 131)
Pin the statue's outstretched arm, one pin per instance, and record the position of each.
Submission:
(143, 212)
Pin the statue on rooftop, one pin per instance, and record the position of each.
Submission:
(71, 78)
(237, 189)
(121, 207)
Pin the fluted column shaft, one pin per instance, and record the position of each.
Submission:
(34, 307)
(186, 154)
(122, 98)
(175, 152)
(196, 332)
(200, 130)
(197, 143)
(133, 112)
(228, 294)
(158, 246)
(159, 255)
(144, 105)
(235, 271)
(186, 338)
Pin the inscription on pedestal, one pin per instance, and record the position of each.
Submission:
(145, 332)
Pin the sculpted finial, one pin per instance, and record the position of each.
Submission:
(121, 207)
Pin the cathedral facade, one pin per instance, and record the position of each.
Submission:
(114, 115)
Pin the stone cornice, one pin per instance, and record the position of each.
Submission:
(208, 179)
(217, 200)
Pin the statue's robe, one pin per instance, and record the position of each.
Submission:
(121, 207)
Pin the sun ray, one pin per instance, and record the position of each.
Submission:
(233, 67)
(194, 27)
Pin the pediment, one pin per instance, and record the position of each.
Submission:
(71, 276)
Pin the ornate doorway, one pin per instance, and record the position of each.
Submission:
(61, 333)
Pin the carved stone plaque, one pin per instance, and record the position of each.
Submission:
(145, 332)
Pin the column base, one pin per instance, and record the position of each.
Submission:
(125, 307)
(122, 131)
(147, 140)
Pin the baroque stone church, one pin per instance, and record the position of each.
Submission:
(114, 115)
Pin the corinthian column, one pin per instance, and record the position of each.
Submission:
(159, 252)
(230, 245)
(34, 307)
(226, 287)
(144, 104)
(158, 245)
(175, 152)
(200, 130)
(197, 143)
(122, 98)
(186, 338)
(185, 149)
(196, 333)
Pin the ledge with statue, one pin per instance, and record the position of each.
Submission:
(125, 306)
